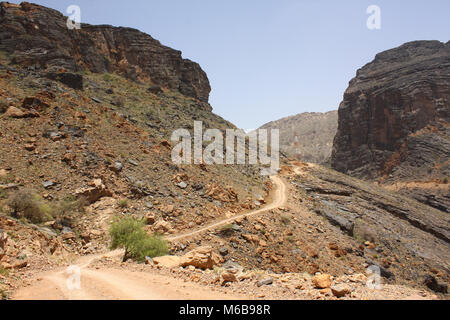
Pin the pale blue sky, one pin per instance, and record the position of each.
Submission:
(270, 59)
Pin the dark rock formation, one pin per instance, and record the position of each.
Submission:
(412, 240)
(394, 120)
(72, 80)
(38, 36)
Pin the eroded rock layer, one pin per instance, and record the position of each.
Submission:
(39, 36)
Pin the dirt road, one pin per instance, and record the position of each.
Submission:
(116, 284)
(279, 199)
(122, 284)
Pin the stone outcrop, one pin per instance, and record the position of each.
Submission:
(201, 258)
(307, 136)
(394, 119)
(39, 37)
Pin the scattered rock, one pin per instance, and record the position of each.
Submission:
(217, 192)
(116, 167)
(48, 184)
(434, 285)
(341, 290)
(162, 226)
(29, 147)
(134, 163)
(182, 185)
(223, 251)
(69, 236)
(322, 281)
(16, 113)
(265, 282)
(228, 277)
(150, 218)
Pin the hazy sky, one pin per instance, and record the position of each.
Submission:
(270, 59)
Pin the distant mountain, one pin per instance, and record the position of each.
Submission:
(307, 136)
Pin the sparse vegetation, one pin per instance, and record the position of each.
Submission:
(3, 271)
(128, 233)
(226, 228)
(29, 205)
(123, 203)
(69, 205)
(285, 220)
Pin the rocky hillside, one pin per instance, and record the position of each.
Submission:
(394, 121)
(86, 120)
(307, 136)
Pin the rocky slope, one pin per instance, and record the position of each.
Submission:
(87, 141)
(307, 136)
(38, 36)
(394, 120)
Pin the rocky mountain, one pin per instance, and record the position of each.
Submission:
(307, 136)
(39, 36)
(394, 121)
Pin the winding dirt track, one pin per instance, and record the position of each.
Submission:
(122, 284)
(279, 199)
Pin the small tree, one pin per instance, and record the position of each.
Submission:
(129, 233)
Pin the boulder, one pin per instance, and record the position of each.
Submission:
(162, 226)
(13, 112)
(168, 261)
(72, 80)
(341, 290)
(201, 258)
(228, 276)
(322, 281)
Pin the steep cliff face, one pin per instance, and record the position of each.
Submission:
(394, 120)
(38, 36)
(307, 136)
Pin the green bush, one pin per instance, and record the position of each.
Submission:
(129, 233)
(29, 205)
